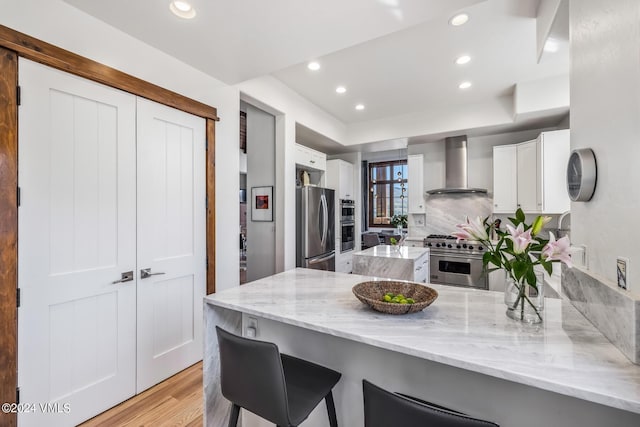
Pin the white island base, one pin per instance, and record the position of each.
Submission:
(461, 352)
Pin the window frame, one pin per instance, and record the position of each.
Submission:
(391, 163)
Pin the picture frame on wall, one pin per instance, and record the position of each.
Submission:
(262, 204)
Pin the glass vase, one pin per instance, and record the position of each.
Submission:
(524, 303)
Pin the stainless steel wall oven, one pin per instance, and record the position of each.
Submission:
(347, 241)
(347, 225)
(347, 210)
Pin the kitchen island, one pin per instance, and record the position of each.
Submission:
(462, 352)
(393, 262)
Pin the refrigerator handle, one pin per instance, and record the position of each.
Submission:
(321, 221)
(325, 219)
(322, 259)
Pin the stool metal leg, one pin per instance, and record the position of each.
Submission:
(233, 418)
(331, 409)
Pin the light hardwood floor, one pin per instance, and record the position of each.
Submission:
(178, 401)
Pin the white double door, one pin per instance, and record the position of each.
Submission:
(110, 184)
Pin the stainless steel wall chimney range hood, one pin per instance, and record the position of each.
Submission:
(456, 168)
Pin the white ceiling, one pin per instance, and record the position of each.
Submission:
(414, 70)
(235, 40)
(394, 56)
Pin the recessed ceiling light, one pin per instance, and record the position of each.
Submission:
(461, 60)
(551, 46)
(182, 9)
(341, 89)
(360, 107)
(459, 19)
(313, 66)
(464, 85)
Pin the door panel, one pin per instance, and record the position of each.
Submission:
(173, 317)
(77, 235)
(171, 240)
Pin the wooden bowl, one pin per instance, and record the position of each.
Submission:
(371, 293)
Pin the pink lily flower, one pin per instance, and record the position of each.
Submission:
(521, 239)
(471, 230)
(557, 250)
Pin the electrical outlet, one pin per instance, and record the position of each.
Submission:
(251, 330)
(622, 268)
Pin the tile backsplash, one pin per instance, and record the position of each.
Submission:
(444, 211)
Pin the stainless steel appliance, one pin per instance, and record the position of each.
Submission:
(347, 210)
(456, 264)
(315, 228)
(455, 167)
(347, 239)
(347, 225)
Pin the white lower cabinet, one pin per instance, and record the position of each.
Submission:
(421, 269)
(344, 262)
(414, 243)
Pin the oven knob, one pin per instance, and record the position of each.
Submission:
(458, 246)
(437, 245)
(470, 248)
(429, 244)
(464, 246)
(480, 248)
(449, 246)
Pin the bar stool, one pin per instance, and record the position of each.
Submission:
(279, 388)
(386, 409)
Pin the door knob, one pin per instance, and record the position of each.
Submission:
(145, 273)
(127, 276)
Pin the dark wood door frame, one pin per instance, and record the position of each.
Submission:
(14, 44)
(8, 230)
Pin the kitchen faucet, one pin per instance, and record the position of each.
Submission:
(561, 230)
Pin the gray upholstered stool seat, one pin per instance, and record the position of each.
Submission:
(279, 388)
(385, 409)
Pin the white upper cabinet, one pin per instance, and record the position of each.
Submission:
(339, 176)
(532, 175)
(553, 156)
(505, 179)
(310, 159)
(415, 165)
(528, 176)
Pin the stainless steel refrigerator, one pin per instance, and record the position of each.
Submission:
(315, 228)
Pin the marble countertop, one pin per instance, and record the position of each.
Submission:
(388, 251)
(466, 328)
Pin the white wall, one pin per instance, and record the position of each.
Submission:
(545, 15)
(439, 120)
(62, 25)
(227, 100)
(605, 111)
(551, 93)
(289, 108)
(261, 164)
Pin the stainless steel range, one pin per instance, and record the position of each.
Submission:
(456, 264)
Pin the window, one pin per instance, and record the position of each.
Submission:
(387, 192)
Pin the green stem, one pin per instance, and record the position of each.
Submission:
(521, 297)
